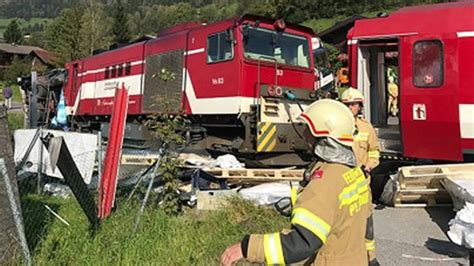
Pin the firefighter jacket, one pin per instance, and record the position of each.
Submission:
(366, 144)
(328, 222)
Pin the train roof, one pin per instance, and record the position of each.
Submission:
(424, 19)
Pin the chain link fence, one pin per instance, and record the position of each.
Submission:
(45, 197)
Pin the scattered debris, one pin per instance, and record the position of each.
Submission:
(420, 186)
(214, 199)
(57, 215)
(57, 190)
(61, 157)
(83, 148)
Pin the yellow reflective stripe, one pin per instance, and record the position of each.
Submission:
(273, 249)
(370, 245)
(294, 195)
(374, 154)
(352, 193)
(311, 222)
(361, 136)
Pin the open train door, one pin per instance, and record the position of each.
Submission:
(429, 97)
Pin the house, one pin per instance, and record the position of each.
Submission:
(37, 55)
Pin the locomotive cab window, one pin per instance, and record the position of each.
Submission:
(219, 48)
(428, 64)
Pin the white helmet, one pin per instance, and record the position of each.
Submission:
(330, 118)
(352, 95)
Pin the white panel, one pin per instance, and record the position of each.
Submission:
(466, 119)
(465, 34)
(195, 51)
(106, 88)
(221, 105)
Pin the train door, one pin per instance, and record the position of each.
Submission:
(75, 84)
(429, 97)
(377, 79)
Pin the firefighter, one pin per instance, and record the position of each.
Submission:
(329, 217)
(366, 149)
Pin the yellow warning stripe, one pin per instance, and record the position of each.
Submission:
(268, 133)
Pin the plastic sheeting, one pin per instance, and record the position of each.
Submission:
(461, 230)
(267, 194)
(227, 161)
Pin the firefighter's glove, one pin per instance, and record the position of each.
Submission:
(283, 206)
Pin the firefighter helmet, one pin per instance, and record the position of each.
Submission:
(330, 118)
(352, 95)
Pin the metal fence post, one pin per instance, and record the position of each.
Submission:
(16, 212)
(40, 162)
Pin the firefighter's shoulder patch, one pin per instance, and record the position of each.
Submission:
(318, 174)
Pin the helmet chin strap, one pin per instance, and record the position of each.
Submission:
(332, 151)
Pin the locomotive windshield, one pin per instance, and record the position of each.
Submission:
(264, 44)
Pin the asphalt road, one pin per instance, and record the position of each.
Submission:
(416, 236)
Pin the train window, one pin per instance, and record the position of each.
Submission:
(128, 68)
(120, 70)
(219, 48)
(106, 72)
(113, 73)
(428, 64)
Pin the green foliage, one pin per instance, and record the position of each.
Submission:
(27, 26)
(168, 129)
(194, 238)
(19, 67)
(95, 27)
(332, 57)
(64, 37)
(120, 27)
(169, 171)
(13, 33)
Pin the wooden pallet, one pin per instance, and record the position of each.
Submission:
(420, 186)
(257, 175)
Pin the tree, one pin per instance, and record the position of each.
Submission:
(120, 27)
(63, 35)
(95, 30)
(13, 33)
(19, 67)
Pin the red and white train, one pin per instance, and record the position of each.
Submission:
(228, 78)
(432, 47)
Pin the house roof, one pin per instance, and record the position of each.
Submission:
(18, 49)
(43, 55)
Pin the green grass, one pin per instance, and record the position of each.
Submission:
(23, 23)
(15, 120)
(194, 238)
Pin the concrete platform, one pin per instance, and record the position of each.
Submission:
(416, 236)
